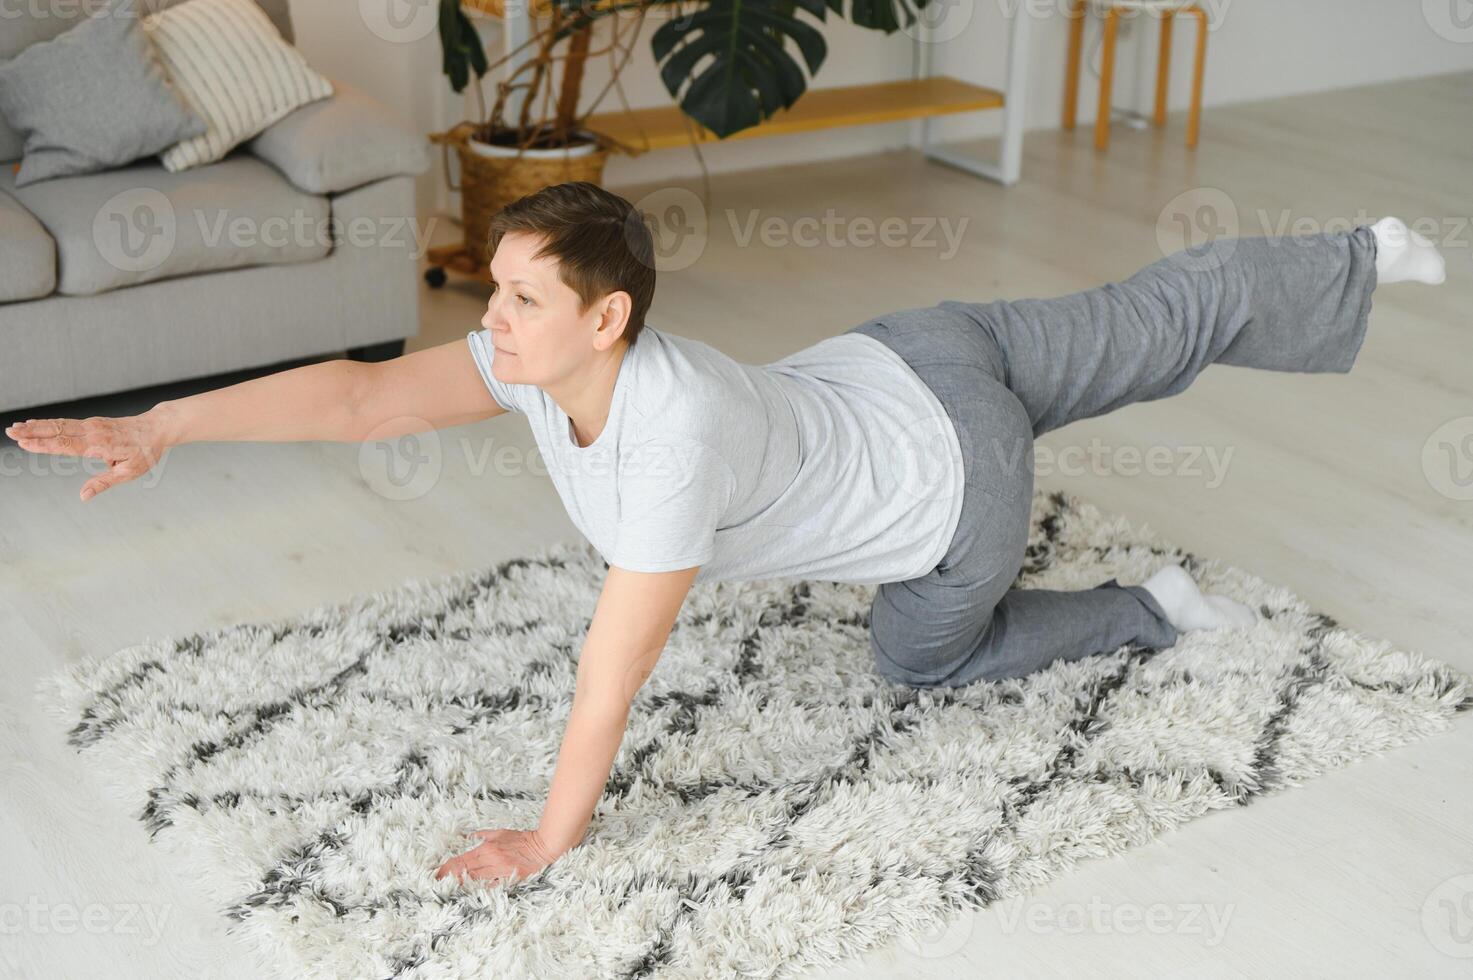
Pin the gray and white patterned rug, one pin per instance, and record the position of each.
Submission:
(775, 805)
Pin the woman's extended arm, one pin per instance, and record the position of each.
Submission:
(314, 402)
(339, 401)
(333, 401)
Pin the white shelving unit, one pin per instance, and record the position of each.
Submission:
(923, 97)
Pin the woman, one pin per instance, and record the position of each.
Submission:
(897, 454)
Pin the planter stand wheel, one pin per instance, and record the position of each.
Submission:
(456, 258)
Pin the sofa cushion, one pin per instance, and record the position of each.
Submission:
(141, 223)
(341, 143)
(233, 68)
(92, 98)
(28, 270)
(26, 23)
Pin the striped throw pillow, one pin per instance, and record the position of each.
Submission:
(231, 65)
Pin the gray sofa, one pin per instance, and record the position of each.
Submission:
(302, 242)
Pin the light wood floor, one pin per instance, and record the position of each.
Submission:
(1325, 493)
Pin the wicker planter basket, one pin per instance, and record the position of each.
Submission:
(487, 184)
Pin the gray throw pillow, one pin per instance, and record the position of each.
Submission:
(93, 98)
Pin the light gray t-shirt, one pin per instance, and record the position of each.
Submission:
(834, 463)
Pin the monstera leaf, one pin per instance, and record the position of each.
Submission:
(750, 72)
(460, 46)
(880, 15)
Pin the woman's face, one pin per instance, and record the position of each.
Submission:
(533, 317)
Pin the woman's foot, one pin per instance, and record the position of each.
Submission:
(1403, 255)
(1188, 608)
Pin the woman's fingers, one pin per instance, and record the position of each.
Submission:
(120, 472)
(63, 446)
(42, 428)
(96, 485)
(98, 438)
(73, 437)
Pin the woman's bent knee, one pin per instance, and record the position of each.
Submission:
(904, 657)
(918, 652)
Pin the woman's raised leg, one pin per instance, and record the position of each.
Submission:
(1295, 303)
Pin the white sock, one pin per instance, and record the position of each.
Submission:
(1188, 608)
(1404, 255)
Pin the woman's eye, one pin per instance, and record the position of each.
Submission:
(523, 298)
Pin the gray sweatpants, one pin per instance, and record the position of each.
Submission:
(1010, 370)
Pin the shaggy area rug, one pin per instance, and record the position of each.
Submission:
(775, 806)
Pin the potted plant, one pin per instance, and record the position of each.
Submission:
(726, 61)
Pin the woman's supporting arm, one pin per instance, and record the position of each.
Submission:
(631, 623)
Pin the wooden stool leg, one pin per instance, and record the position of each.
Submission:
(1163, 66)
(1107, 76)
(1194, 118)
(1075, 13)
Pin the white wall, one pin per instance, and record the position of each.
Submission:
(1255, 50)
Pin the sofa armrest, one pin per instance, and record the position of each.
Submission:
(341, 142)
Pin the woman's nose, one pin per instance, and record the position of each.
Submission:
(489, 318)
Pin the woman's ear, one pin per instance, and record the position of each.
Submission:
(614, 317)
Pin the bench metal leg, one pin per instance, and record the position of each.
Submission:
(1007, 168)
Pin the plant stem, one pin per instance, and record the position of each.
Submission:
(567, 107)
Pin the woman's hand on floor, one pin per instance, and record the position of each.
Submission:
(130, 445)
(501, 853)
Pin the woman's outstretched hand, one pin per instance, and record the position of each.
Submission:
(501, 853)
(130, 445)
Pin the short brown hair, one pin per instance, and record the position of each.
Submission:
(602, 244)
